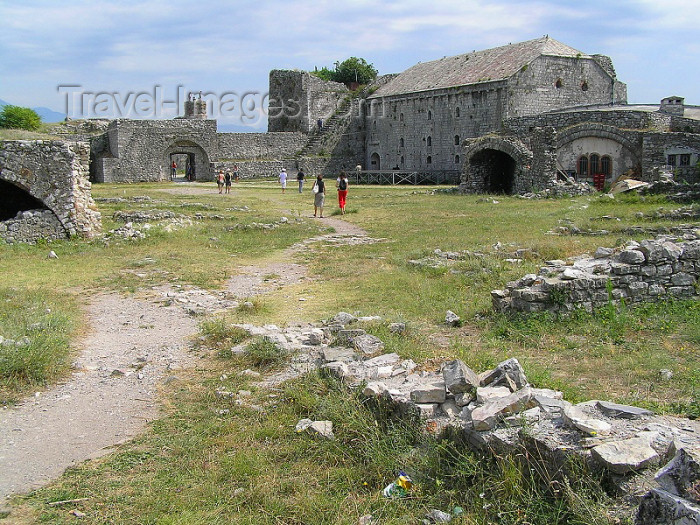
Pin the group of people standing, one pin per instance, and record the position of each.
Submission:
(319, 190)
(224, 179)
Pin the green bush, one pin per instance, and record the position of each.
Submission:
(16, 117)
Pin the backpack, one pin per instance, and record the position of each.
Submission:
(343, 184)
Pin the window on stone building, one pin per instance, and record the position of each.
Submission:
(457, 112)
(582, 166)
(401, 142)
(558, 83)
(429, 160)
(429, 141)
(430, 115)
(584, 86)
(594, 164)
(456, 140)
(402, 162)
(671, 160)
(606, 165)
(456, 159)
(684, 159)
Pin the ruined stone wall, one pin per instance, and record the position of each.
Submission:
(657, 147)
(582, 82)
(686, 125)
(56, 174)
(641, 272)
(298, 99)
(312, 166)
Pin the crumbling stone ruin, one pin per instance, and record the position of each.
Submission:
(45, 191)
(498, 412)
(640, 272)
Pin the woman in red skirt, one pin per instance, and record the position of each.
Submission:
(342, 185)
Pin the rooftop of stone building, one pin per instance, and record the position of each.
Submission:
(493, 64)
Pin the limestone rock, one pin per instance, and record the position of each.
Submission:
(348, 336)
(681, 476)
(459, 378)
(579, 419)
(452, 319)
(429, 393)
(623, 411)
(659, 507)
(344, 318)
(488, 415)
(368, 344)
(508, 373)
(488, 393)
(626, 455)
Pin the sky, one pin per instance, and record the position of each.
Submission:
(122, 58)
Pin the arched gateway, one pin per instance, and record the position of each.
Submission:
(496, 165)
(190, 157)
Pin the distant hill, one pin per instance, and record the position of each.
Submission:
(46, 114)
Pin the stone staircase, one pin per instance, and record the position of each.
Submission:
(324, 139)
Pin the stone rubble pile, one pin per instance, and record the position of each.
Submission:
(646, 271)
(559, 189)
(498, 411)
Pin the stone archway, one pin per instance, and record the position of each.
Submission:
(496, 165)
(197, 160)
(496, 168)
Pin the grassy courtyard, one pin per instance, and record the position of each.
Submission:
(207, 461)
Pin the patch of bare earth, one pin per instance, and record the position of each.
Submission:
(131, 347)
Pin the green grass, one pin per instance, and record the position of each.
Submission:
(209, 459)
(202, 465)
(36, 329)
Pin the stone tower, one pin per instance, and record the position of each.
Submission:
(195, 107)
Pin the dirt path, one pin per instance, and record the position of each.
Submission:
(132, 346)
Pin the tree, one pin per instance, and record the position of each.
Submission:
(355, 70)
(351, 70)
(17, 117)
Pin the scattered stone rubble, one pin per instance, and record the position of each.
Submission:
(646, 271)
(498, 411)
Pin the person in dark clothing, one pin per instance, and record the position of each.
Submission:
(320, 195)
(300, 180)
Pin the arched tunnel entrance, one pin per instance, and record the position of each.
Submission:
(496, 169)
(190, 159)
(14, 199)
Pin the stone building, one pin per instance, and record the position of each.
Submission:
(509, 119)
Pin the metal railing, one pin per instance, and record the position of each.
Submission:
(416, 178)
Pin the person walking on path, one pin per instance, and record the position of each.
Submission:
(235, 173)
(319, 195)
(227, 181)
(220, 180)
(173, 175)
(342, 185)
(283, 179)
(300, 180)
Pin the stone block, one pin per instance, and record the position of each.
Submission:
(429, 393)
(459, 378)
(487, 416)
(347, 336)
(577, 418)
(450, 408)
(368, 344)
(374, 389)
(335, 353)
(464, 399)
(691, 250)
(623, 411)
(489, 393)
(508, 373)
(659, 507)
(681, 476)
(625, 455)
(682, 279)
(631, 257)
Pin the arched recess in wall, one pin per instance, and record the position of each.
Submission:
(193, 156)
(495, 164)
(375, 162)
(14, 199)
(621, 151)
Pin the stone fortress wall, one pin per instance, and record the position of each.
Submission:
(46, 184)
